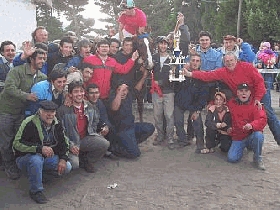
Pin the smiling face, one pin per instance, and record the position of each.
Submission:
(243, 94)
(38, 62)
(195, 62)
(41, 35)
(77, 95)
(230, 62)
(114, 48)
(103, 49)
(9, 52)
(87, 74)
(47, 116)
(229, 45)
(59, 84)
(66, 49)
(204, 42)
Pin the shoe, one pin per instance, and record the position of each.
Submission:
(157, 143)
(89, 167)
(260, 165)
(111, 156)
(38, 197)
(184, 143)
(12, 172)
(171, 146)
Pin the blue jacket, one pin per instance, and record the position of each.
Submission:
(245, 53)
(17, 62)
(43, 91)
(210, 60)
(75, 61)
(192, 95)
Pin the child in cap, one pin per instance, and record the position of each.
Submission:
(218, 125)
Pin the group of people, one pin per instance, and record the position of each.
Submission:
(63, 109)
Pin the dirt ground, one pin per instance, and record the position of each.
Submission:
(161, 179)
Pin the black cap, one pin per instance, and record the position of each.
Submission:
(48, 105)
(243, 86)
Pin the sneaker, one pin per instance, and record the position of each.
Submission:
(171, 146)
(184, 143)
(89, 167)
(260, 165)
(38, 197)
(12, 172)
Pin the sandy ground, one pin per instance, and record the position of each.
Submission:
(161, 179)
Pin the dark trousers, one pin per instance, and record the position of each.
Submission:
(213, 138)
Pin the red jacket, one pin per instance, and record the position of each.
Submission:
(102, 73)
(243, 73)
(242, 114)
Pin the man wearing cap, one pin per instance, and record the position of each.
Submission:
(235, 73)
(163, 94)
(132, 21)
(41, 147)
(242, 50)
(129, 134)
(248, 122)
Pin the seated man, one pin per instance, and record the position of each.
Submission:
(41, 147)
(129, 134)
(104, 126)
(248, 123)
(80, 120)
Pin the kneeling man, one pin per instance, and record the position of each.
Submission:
(41, 147)
(248, 122)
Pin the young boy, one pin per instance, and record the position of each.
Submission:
(218, 125)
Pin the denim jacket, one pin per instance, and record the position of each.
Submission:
(210, 60)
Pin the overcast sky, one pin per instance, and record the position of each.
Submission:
(91, 9)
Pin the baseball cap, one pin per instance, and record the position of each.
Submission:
(48, 105)
(243, 86)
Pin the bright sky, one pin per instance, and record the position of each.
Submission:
(92, 11)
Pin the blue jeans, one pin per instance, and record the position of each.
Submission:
(33, 165)
(272, 120)
(130, 138)
(253, 141)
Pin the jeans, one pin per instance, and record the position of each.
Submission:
(272, 120)
(164, 108)
(9, 124)
(197, 126)
(253, 141)
(94, 148)
(130, 138)
(268, 81)
(34, 165)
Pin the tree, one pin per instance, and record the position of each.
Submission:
(53, 25)
(72, 9)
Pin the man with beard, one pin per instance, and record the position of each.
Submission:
(13, 101)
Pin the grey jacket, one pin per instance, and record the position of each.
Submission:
(69, 121)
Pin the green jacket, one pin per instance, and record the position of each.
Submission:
(17, 85)
(29, 138)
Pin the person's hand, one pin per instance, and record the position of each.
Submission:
(31, 97)
(47, 151)
(61, 166)
(186, 71)
(72, 69)
(194, 116)
(248, 127)
(68, 101)
(180, 19)
(144, 71)
(223, 124)
(135, 55)
(239, 41)
(259, 104)
(229, 130)
(75, 150)
(28, 50)
(192, 49)
(104, 131)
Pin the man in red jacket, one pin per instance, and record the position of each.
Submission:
(248, 122)
(235, 73)
(105, 65)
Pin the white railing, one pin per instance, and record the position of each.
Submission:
(271, 71)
